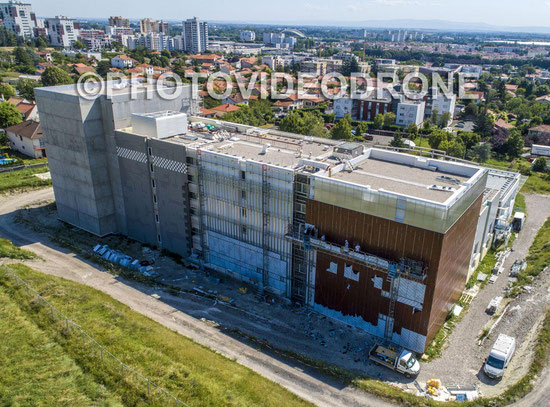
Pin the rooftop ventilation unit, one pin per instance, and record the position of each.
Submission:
(159, 125)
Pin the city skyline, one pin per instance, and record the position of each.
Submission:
(506, 13)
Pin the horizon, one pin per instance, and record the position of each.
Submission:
(491, 15)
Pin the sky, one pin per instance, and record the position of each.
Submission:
(525, 13)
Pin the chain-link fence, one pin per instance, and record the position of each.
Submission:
(71, 331)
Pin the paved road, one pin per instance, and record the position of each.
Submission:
(294, 376)
(462, 347)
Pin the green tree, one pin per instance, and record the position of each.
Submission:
(470, 139)
(540, 165)
(342, 129)
(318, 129)
(78, 45)
(25, 87)
(484, 125)
(54, 76)
(437, 137)
(292, 123)
(412, 130)
(103, 67)
(481, 152)
(514, 144)
(435, 117)
(361, 128)
(9, 115)
(6, 90)
(378, 121)
(389, 119)
(444, 119)
(397, 140)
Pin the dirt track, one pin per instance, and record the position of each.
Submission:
(296, 377)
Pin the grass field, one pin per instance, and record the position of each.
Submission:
(36, 371)
(23, 179)
(537, 259)
(537, 184)
(7, 249)
(191, 372)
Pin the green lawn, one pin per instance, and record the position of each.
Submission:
(191, 372)
(23, 179)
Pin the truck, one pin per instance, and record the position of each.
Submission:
(518, 221)
(400, 360)
(500, 356)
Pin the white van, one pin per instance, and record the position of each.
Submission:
(500, 356)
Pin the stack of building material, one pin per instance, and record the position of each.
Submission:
(122, 259)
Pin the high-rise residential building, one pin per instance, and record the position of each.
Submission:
(248, 36)
(19, 18)
(195, 35)
(381, 240)
(62, 31)
(148, 25)
(118, 21)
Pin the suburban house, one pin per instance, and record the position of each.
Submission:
(122, 62)
(26, 138)
(27, 109)
(540, 134)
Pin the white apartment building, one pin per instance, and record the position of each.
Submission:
(62, 31)
(148, 25)
(410, 111)
(248, 36)
(273, 38)
(19, 17)
(443, 103)
(152, 41)
(273, 61)
(195, 35)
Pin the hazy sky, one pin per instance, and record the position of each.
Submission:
(495, 12)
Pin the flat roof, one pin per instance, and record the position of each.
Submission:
(379, 169)
(401, 179)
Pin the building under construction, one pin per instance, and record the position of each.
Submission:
(378, 239)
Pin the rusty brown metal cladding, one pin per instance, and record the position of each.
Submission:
(453, 265)
(392, 240)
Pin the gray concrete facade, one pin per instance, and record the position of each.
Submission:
(80, 139)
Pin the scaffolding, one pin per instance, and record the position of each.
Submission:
(300, 252)
(202, 210)
(265, 228)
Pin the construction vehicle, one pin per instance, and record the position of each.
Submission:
(500, 356)
(400, 360)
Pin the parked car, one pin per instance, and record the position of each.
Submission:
(500, 356)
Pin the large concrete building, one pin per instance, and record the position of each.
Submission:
(375, 238)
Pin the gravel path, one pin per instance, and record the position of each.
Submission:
(461, 362)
